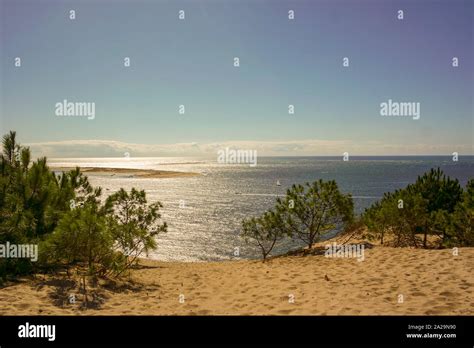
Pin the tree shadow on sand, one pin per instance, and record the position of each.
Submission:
(72, 293)
(85, 292)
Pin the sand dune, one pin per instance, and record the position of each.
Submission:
(128, 172)
(433, 282)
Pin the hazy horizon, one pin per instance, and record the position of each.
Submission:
(98, 148)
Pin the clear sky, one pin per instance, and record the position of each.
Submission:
(282, 62)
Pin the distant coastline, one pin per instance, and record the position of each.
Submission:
(128, 172)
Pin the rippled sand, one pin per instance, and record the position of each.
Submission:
(433, 282)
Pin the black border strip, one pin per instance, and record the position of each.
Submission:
(225, 330)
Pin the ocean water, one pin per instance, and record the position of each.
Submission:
(207, 227)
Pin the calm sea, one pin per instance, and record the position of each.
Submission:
(207, 227)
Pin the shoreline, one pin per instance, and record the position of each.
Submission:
(127, 172)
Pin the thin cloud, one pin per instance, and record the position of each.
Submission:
(313, 147)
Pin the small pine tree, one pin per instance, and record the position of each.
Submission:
(265, 231)
(310, 211)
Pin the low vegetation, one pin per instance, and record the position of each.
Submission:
(435, 208)
(306, 213)
(64, 215)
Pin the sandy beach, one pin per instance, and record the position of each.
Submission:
(432, 282)
(128, 172)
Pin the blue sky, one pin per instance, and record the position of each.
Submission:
(282, 62)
